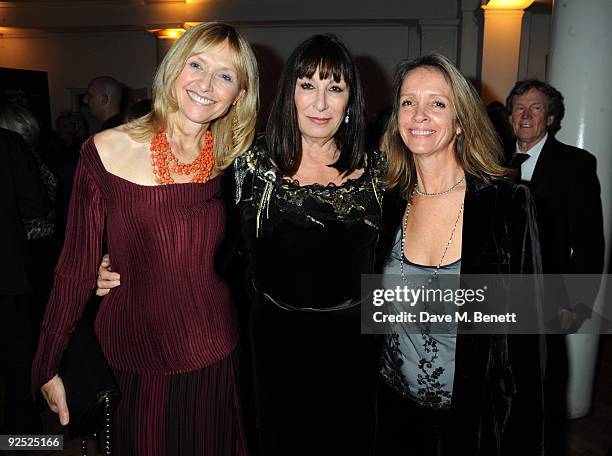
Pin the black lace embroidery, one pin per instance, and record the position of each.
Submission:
(431, 392)
(258, 180)
(43, 227)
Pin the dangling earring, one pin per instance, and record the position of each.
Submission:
(234, 124)
(234, 119)
(346, 118)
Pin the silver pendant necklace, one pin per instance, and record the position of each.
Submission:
(448, 243)
(421, 193)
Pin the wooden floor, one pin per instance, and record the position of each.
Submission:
(588, 436)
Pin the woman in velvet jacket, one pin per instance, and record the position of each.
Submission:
(448, 209)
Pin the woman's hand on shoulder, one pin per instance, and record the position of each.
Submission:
(107, 279)
(55, 394)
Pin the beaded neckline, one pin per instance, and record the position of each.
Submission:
(295, 183)
(356, 200)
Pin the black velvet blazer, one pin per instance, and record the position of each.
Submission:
(497, 403)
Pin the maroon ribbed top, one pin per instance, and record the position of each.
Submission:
(172, 312)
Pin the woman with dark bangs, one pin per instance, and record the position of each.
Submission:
(308, 196)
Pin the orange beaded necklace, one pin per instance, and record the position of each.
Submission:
(165, 162)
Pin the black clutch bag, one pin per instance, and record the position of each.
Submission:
(91, 390)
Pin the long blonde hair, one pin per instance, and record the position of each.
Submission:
(477, 148)
(229, 140)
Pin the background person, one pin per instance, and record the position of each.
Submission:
(62, 156)
(105, 97)
(563, 181)
(498, 115)
(23, 197)
(41, 232)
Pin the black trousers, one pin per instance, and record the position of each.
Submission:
(16, 355)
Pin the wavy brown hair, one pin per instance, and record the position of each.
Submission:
(229, 142)
(477, 148)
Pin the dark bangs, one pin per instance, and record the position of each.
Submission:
(325, 55)
(333, 60)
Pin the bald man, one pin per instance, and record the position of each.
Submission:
(103, 97)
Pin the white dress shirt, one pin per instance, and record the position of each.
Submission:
(529, 165)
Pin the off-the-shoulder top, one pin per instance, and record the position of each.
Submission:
(172, 312)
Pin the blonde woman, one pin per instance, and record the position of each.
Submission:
(154, 184)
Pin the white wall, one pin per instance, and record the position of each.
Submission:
(72, 59)
(82, 39)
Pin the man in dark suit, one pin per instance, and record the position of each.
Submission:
(22, 196)
(565, 187)
(562, 179)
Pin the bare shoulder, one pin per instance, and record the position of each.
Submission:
(117, 149)
(112, 142)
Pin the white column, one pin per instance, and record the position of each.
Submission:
(500, 52)
(580, 68)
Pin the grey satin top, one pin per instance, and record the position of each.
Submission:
(420, 364)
